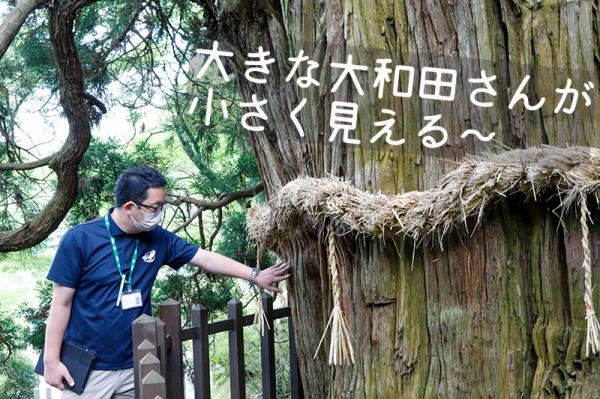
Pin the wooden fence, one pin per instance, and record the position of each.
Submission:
(158, 354)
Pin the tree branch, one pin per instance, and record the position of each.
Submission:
(94, 101)
(217, 228)
(25, 165)
(202, 205)
(224, 199)
(66, 161)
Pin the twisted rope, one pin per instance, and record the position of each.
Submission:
(593, 327)
(461, 194)
(340, 345)
(260, 317)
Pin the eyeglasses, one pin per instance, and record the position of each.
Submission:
(155, 209)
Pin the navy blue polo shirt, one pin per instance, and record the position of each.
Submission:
(85, 261)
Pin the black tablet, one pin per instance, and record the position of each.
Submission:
(78, 360)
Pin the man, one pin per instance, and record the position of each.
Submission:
(103, 272)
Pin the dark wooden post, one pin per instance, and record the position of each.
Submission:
(295, 381)
(143, 328)
(161, 345)
(170, 313)
(201, 358)
(267, 351)
(236, 351)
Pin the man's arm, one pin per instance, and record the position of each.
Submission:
(215, 263)
(60, 313)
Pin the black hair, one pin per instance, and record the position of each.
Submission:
(133, 184)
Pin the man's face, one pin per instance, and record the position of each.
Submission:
(156, 198)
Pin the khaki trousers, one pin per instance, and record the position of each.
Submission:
(106, 384)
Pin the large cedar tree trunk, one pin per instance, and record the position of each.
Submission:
(496, 314)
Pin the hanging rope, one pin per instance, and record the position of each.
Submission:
(593, 327)
(260, 317)
(340, 345)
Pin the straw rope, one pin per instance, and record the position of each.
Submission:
(260, 317)
(461, 194)
(570, 173)
(593, 327)
(340, 344)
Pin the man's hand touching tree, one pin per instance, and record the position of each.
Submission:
(269, 277)
(215, 263)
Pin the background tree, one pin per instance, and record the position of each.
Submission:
(134, 55)
(16, 374)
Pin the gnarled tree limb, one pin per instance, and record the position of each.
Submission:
(25, 165)
(224, 200)
(66, 161)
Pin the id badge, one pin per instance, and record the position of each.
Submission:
(131, 299)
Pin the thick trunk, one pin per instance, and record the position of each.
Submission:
(495, 314)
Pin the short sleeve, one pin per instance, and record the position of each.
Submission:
(67, 264)
(179, 251)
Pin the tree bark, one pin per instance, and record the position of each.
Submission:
(498, 313)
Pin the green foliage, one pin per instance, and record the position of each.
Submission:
(234, 242)
(190, 288)
(99, 169)
(17, 198)
(221, 151)
(17, 378)
(10, 337)
(219, 362)
(36, 317)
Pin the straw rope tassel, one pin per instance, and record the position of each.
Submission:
(340, 346)
(260, 317)
(593, 327)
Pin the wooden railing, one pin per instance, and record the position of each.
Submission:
(158, 354)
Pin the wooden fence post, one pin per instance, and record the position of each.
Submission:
(237, 376)
(295, 382)
(267, 351)
(158, 355)
(162, 346)
(170, 313)
(201, 357)
(142, 329)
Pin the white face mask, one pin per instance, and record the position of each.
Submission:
(151, 220)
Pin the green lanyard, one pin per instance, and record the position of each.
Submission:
(116, 253)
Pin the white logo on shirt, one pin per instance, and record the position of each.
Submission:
(149, 257)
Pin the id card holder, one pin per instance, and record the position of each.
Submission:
(131, 299)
